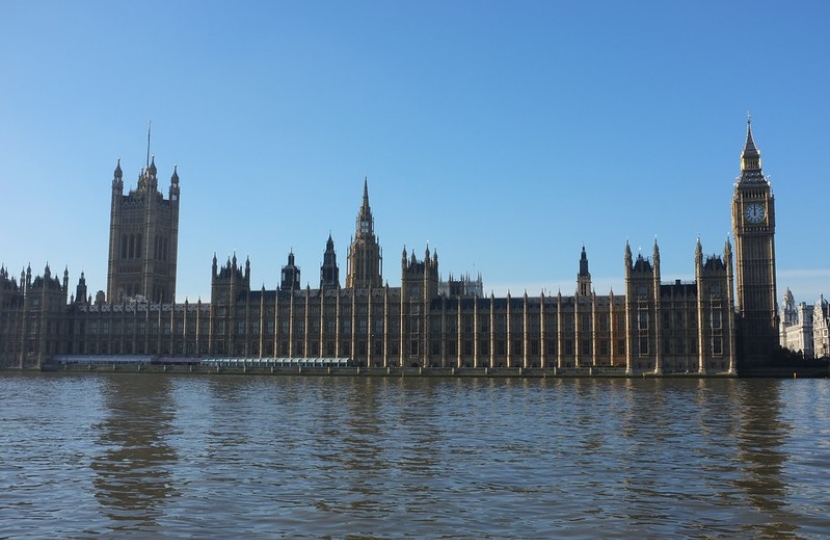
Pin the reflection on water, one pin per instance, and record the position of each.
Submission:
(133, 479)
(761, 442)
(335, 457)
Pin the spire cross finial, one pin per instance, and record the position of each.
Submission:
(748, 117)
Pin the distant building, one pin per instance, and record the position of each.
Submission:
(804, 327)
(649, 327)
(463, 286)
(796, 326)
(821, 325)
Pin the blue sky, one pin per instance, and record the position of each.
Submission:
(506, 135)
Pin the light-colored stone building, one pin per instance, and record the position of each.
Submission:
(796, 326)
(821, 325)
(804, 327)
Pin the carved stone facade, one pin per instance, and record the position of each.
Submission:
(144, 238)
(652, 326)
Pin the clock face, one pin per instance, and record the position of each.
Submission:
(754, 213)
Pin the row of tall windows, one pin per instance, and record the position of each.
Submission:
(131, 245)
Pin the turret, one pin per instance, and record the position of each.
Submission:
(329, 271)
(583, 278)
(117, 179)
(290, 275)
(174, 184)
(80, 291)
(419, 279)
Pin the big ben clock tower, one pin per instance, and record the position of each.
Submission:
(753, 226)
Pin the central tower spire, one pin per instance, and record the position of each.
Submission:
(364, 260)
(365, 222)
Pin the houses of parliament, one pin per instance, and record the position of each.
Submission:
(722, 322)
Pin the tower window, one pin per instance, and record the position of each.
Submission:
(642, 318)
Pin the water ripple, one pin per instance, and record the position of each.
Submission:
(159, 456)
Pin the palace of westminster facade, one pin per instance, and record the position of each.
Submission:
(656, 327)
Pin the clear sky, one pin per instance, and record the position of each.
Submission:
(505, 135)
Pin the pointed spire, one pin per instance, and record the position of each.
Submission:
(750, 156)
(583, 278)
(149, 127)
(175, 178)
(365, 225)
(749, 147)
(329, 271)
(583, 263)
(152, 168)
(118, 174)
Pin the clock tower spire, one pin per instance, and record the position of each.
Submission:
(753, 226)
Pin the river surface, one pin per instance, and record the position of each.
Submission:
(223, 456)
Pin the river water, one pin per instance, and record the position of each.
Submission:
(224, 456)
